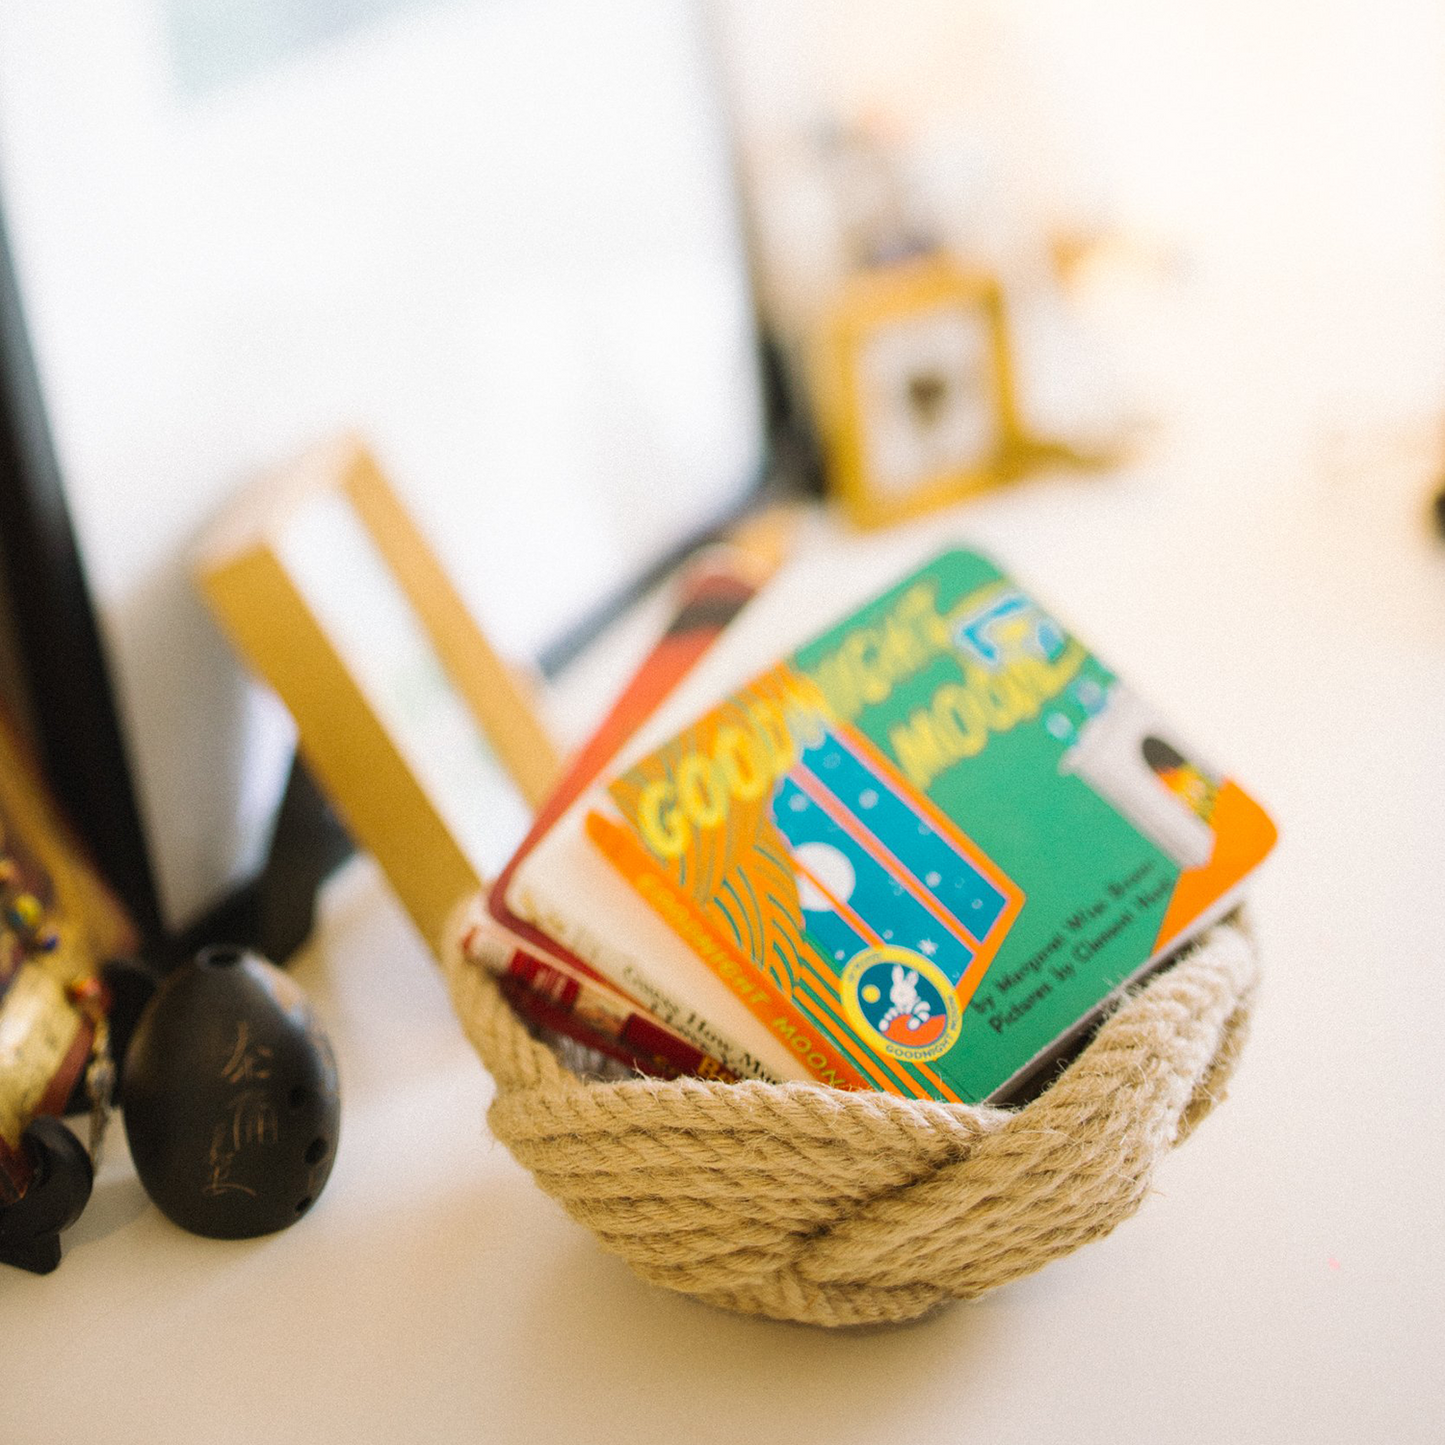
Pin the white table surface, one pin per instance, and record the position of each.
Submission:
(1267, 576)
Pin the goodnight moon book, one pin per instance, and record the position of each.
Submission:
(928, 846)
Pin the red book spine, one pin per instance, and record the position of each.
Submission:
(574, 1004)
(577, 1010)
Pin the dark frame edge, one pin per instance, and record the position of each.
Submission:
(70, 699)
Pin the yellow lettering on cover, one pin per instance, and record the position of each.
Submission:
(919, 751)
(701, 790)
(960, 717)
(661, 820)
(744, 763)
(871, 661)
(772, 732)
(960, 720)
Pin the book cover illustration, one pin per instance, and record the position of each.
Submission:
(943, 830)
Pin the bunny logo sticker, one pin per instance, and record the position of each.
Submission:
(901, 1004)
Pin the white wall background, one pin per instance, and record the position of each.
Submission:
(497, 236)
(1291, 148)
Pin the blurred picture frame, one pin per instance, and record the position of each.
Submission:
(233, 230)
(920, 400)
(427, 743)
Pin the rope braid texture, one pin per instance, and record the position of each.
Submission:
(807, 1203)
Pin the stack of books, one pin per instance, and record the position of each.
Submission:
(897, 832)
(869, 823)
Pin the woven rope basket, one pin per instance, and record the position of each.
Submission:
(808, 1203)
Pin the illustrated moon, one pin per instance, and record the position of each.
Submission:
(831, 868)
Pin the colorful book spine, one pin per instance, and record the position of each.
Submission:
(560, 998)
(713, 590)
(591, 1016)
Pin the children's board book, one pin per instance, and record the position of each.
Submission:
(917, 853)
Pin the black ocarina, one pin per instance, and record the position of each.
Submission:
(230, 1097)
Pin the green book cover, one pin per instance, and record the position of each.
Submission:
(943, 831)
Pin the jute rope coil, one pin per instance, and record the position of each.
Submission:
(808, 1203)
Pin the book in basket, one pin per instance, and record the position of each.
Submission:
(921, 850)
